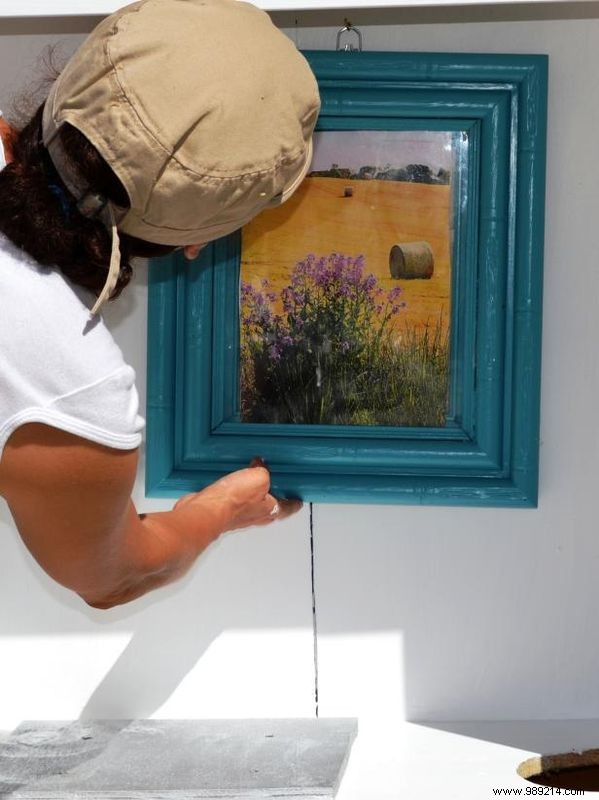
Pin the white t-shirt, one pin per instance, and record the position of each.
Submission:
(58, 365)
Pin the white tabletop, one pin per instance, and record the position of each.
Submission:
(454, 761)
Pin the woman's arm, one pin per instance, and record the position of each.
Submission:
(70, 499)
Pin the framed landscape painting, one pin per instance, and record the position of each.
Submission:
(345, 294)
(377, 337)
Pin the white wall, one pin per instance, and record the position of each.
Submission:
(429, 614)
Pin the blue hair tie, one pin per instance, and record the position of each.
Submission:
(65, 203)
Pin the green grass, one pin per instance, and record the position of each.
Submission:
(393, 382)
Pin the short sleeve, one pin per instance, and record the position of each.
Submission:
(105, 412)
(58, 366)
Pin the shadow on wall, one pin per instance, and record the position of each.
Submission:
(245, 581)
(534, 736)
(483, 635)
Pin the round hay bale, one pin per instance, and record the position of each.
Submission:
(348, 191)
(409, 260)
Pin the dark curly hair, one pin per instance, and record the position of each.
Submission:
(35, 217)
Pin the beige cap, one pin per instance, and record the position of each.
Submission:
(203, 109)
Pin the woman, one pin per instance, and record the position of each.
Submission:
(174, 123)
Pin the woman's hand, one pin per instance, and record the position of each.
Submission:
(241, 499)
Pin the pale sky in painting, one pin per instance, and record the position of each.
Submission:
(355, 149)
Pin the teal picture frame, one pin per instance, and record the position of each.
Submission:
(488, 452)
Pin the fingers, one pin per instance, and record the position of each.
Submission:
(243, 498)
(258, 462)
(287, 507)
(272, 509)
(282, 508)
(276, 509)
(256, 479)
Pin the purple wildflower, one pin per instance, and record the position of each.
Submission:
(274, 351)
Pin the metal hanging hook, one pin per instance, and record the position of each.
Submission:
(349, 28)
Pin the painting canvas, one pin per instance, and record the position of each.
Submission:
(345, 290)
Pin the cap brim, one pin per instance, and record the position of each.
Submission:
(297, 181)
(134, 224)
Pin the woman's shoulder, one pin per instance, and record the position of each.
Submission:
(19, 270)
(58, 365)
(41, 311)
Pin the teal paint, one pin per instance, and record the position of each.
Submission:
(488, 452)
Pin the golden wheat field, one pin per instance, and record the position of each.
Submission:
(319, 219)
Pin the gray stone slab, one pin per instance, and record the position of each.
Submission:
(175, 759)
